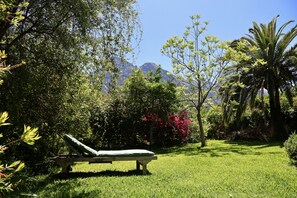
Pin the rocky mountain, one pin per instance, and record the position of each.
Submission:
(147, 67)
(126, 68)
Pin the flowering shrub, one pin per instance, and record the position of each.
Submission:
(172, 131)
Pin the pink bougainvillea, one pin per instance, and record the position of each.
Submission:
(174, 130)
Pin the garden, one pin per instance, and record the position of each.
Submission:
(222, 123)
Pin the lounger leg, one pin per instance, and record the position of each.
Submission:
(137, 165)
(66, 167)
(144, 166)
(144, 169)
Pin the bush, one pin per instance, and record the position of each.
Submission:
(290, 120)
(194, 136)
(216, 129)
(117, 126)
(252, 126)
(291, 148)
(173, 131)
(113, 126)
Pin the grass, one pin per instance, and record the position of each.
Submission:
(222, 169)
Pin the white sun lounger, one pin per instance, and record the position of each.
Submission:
(87, 154)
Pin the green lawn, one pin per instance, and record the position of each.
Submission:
(222, 169)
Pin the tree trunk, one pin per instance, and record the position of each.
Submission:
(201, 130)
(276, 120)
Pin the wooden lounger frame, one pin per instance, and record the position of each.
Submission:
(65, 161)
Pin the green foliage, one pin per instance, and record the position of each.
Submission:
(291, 148)
(252, 126)
(11, 13)
(150, 94)
(7, 173)
(285, 104)
(30, 135)
(3, 118)
(216, 129)
(110, 124)
(223, 169)
(295, 102)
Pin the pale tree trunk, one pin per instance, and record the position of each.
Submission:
(201, 130)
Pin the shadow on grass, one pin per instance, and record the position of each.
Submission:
(220, 150)
(108, 173)
(259, 144)
(63, 185)
(60, 188)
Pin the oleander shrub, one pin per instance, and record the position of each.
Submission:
(291, 148)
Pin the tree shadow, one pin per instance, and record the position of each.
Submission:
(229, 147)
(259, 144)
(107, 173)
(62, 184)
(62, 189)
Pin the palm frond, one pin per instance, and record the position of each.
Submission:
(285, 41)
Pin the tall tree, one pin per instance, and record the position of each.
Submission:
(198, 62)
(60, 41)
(271, 66)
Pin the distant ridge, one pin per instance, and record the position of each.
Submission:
(126, 68)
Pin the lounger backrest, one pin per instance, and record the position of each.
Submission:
(79, 147)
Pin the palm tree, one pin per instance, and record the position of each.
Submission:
(277, 71)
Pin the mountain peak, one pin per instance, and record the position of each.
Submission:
(146, 67)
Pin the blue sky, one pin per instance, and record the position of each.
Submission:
(228, 20)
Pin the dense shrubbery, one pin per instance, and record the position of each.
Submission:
(141, 115)
(290, 121)
(113, 126)
(291, 148)
(116, 127)
(252, 126)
